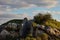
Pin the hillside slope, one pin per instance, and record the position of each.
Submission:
(53, 24)
(44, 36)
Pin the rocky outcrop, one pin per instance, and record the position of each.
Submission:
(28, 28)
(53, 32)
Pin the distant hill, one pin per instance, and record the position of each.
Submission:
(18, 21)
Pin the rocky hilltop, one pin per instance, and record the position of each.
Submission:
(21, 29)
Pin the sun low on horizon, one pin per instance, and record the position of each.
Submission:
(18, 9)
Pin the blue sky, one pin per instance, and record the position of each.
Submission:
(18, 9)
(30, 11)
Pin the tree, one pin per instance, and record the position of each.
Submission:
(38, 18)
(47, 17)
(41, 18)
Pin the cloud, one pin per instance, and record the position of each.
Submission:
(27, 3)
(42, 3)
(14, 16)
(6, 6)
(3, 20)
(6, 17)
(44, 12)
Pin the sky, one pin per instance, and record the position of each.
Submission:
(18, 9)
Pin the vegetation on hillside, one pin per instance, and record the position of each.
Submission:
(46, 19)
